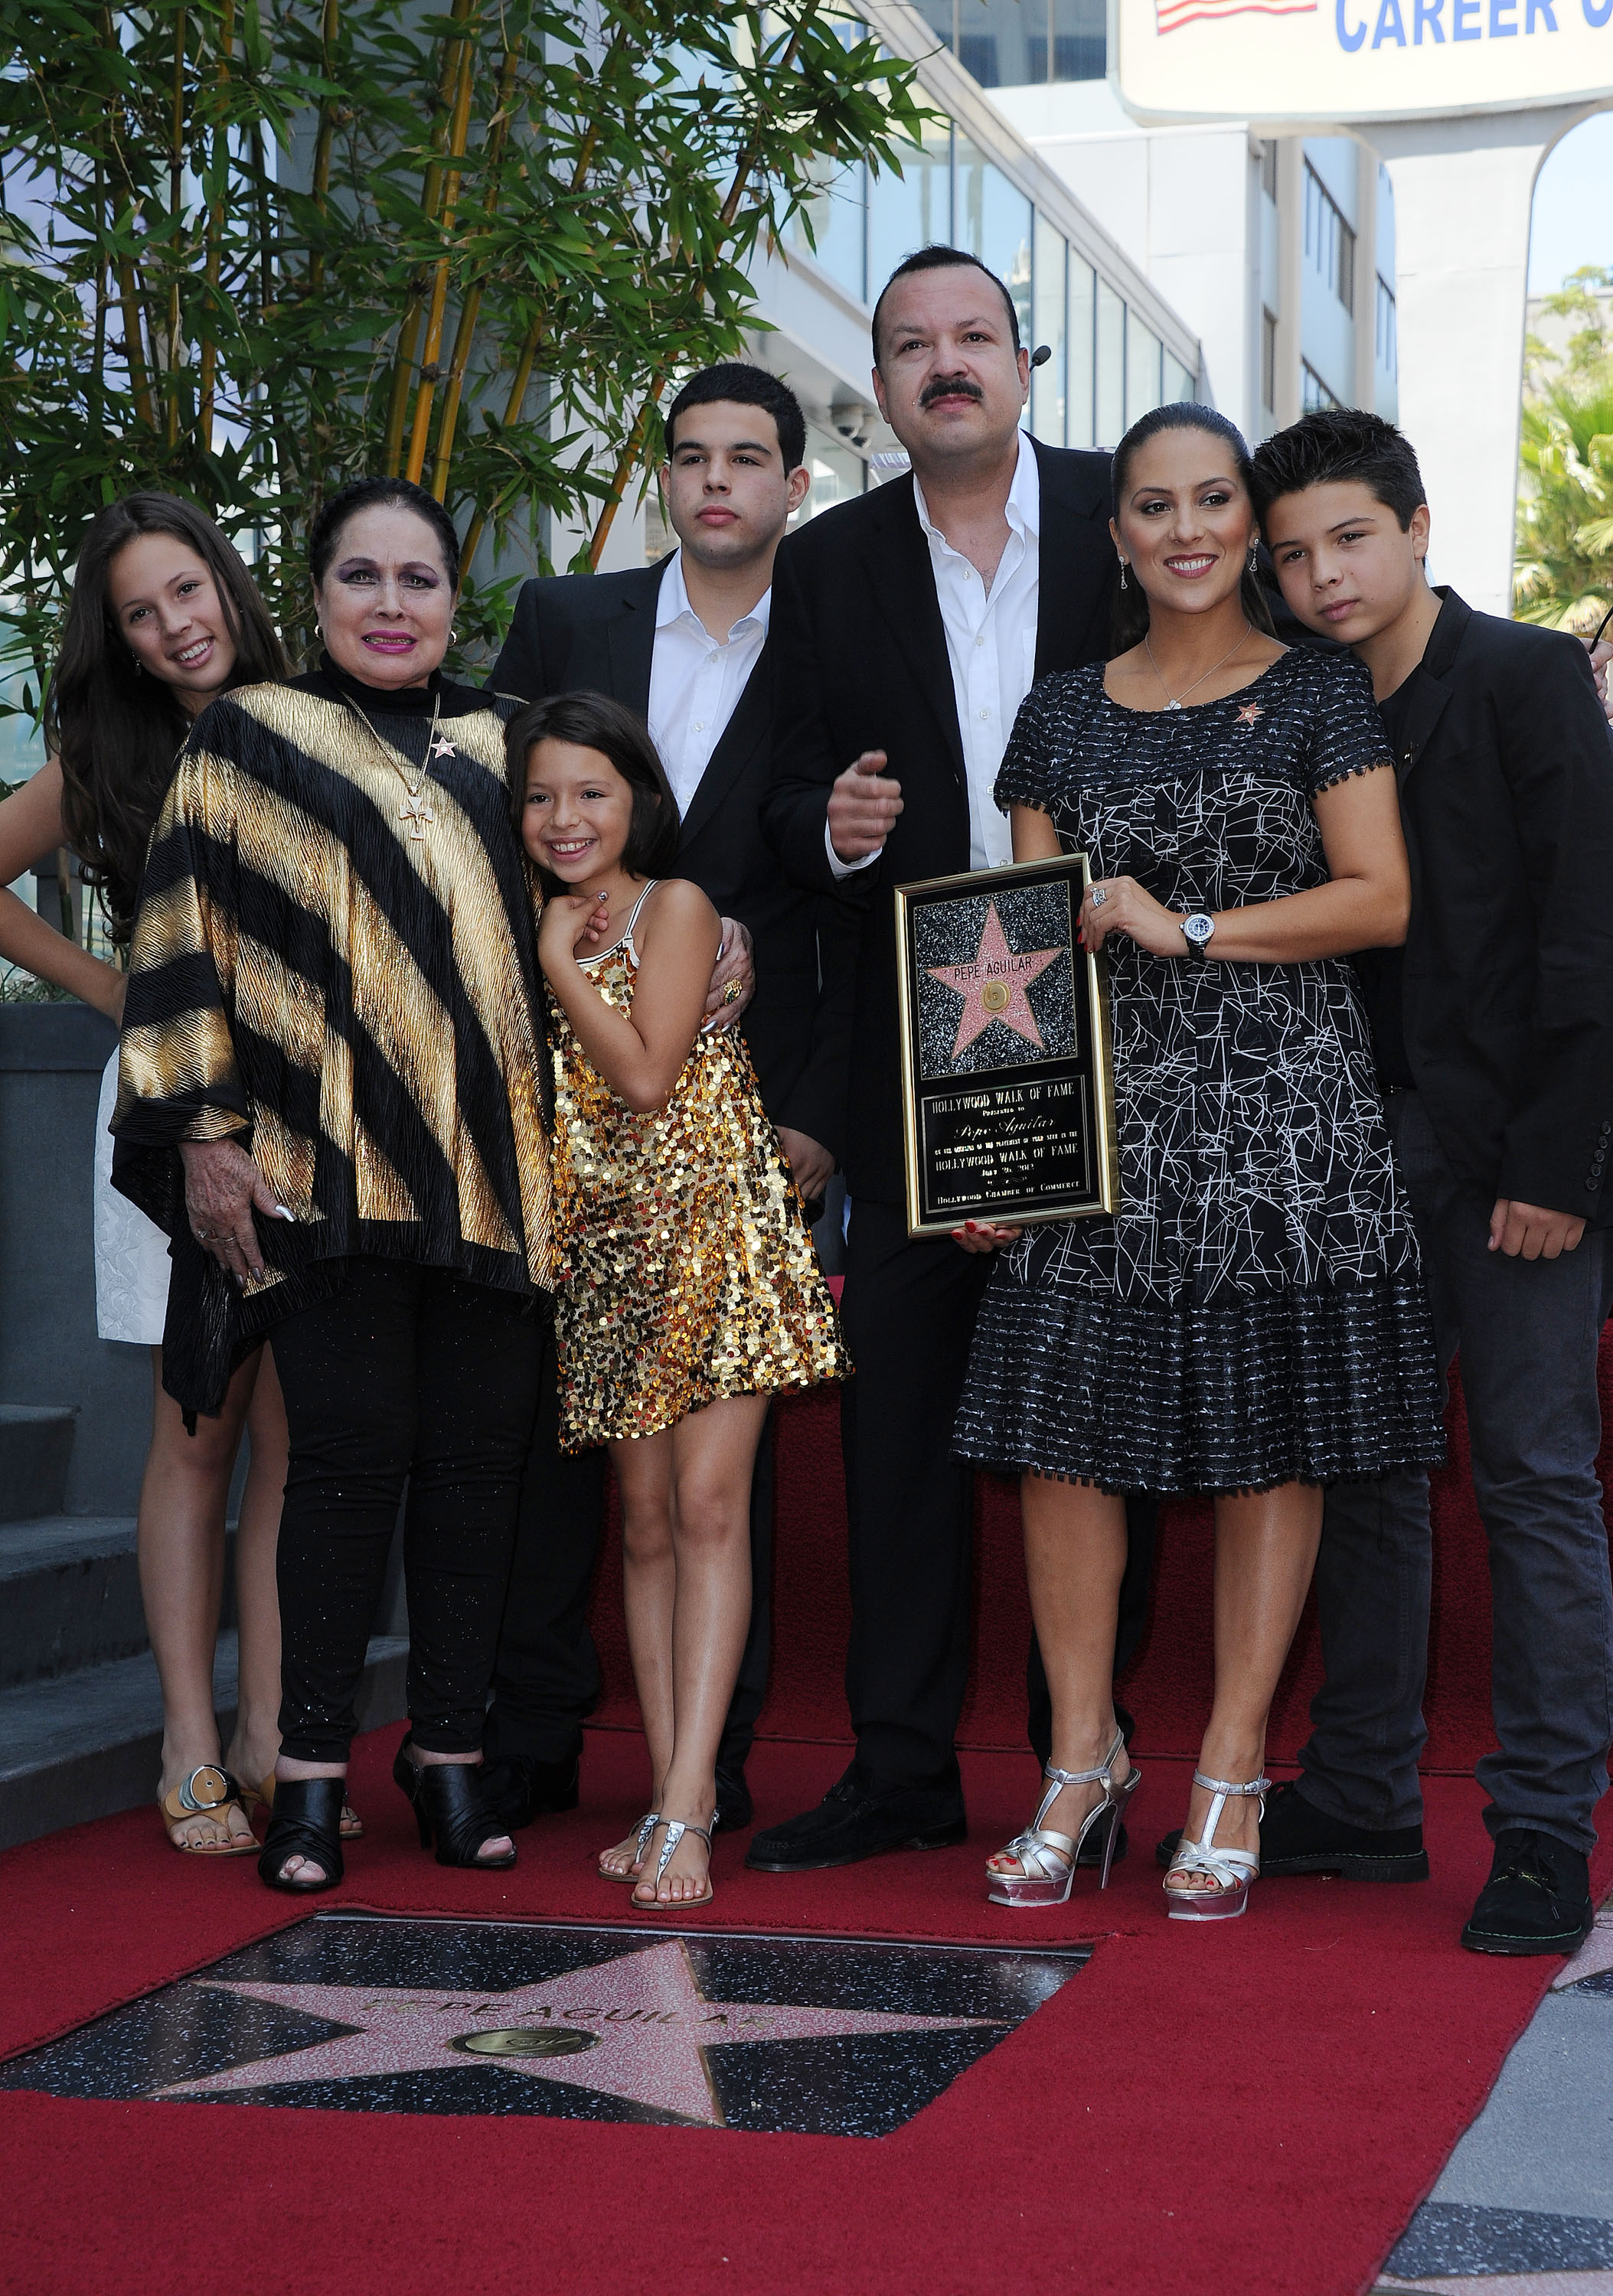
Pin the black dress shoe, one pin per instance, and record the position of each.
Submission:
(1537, 1899)
(735, 1808)
(859, 1818)
(518, 1790)
(1295, 1837)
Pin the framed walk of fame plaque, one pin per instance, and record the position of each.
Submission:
(1007, 1087)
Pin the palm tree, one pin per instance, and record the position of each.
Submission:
(1564, 571)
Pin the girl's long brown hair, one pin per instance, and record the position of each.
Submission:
(117, 731)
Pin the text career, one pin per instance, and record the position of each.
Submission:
(1409, 23)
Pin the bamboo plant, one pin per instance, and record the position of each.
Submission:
(251, 249)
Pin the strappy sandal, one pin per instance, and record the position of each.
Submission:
(1048, 1859)
(647, 1826)
(262, 1798)
(676, 1828)
(208, 1793)
(1233, 1871)
(306, 1822)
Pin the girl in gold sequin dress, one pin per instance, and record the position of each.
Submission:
(690, 1290)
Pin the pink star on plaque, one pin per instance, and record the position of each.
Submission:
(636, 2027)
(1250, 711)
(993, 987)
(444, 747)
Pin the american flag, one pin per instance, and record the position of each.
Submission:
(1171, 14)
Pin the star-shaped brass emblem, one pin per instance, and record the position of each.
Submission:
(1250, 711)
(993, 985)
(635, 2027)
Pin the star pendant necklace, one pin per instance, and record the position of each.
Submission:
(1174, 700)
(414, 810)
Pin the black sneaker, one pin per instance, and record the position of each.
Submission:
(520, 1791)
(860, 1817)
(1295, 1837)
(1537, 1899)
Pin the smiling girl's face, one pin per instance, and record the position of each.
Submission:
(1187, 522)
(386, 604)
(577, 812)
(168, 613)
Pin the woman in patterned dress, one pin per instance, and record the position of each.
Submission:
(1251, 1321)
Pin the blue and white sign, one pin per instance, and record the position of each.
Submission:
(1342, 59)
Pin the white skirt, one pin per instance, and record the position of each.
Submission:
(132, 1266)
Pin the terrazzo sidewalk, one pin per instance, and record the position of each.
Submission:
(1525, 2206)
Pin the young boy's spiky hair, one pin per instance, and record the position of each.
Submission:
(1337, 443)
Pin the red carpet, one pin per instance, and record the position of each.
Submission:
(1248, 2110)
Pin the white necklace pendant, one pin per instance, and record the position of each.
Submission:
(416, 813)
(1172, 705)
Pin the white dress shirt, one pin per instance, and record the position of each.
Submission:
(991, 646)
(695, 681)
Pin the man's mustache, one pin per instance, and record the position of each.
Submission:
(948, 386)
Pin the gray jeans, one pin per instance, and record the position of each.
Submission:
(1529, 1331)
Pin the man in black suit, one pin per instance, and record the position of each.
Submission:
(906, 627)
(683, 642)
(1493, 1031)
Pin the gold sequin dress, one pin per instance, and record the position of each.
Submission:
(687, 1271)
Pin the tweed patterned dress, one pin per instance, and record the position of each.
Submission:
(1254, 1312)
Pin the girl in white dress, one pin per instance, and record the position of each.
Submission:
(164, 616)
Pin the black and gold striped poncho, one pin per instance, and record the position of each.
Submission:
(353, 1003)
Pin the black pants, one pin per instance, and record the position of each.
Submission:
(547, 1677)
(909, 1314)
(407, 1374)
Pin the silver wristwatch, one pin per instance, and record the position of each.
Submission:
(1195, 930)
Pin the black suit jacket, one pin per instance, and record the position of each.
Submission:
(1506, 793)
(860, 662)
(572, 632)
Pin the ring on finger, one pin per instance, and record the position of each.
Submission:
(732, 993)
(1099, 897)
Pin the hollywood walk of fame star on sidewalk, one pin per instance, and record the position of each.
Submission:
(646, 2022)
(993, 987)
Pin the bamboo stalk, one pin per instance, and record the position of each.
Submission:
(122, 266)
(176, 193)
(532, 341)
(215, 228)
(329, 26)
(458, 136)
(626, 461)
(431, 194)
(470, 310)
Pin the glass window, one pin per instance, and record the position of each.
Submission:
(1329, 241)
(1142, 368)
(993, 219)
(1048, 383)
(1179, 383)
(1007, 43)
(1313, 390)
(836, 212)
(909, 210)
(1078, 399)
(1383, 333)
(1110, 362)
(837, 474)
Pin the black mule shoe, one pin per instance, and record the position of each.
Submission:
(305, 1822)
(448, 1801)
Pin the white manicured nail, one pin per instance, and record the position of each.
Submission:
(284, 1214)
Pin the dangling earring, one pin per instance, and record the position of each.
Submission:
(453, 634)
(1122, 573)
(1255, 558)
(139, 665)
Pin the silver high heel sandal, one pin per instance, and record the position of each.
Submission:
(647, 1826)
(1233, 1871)
(676, 1828)
(1049, 1859)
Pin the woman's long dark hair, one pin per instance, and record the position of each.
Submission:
(116, 730)
(1130, 623)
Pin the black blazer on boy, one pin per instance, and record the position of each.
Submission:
(860, 662)
(596, 632)
(1506, 794)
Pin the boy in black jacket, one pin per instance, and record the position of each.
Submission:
(1494, 1030)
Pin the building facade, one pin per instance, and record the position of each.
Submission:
(1278, 252)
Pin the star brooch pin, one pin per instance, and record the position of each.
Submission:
(444, 748)
(1250, 711)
